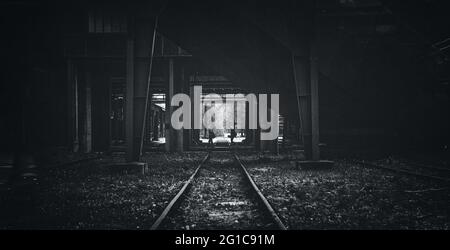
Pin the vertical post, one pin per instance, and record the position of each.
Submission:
(257, 131)
(169, 109)
(88, 121)
(106, 102)
(155, 121)
(101, 100)
(191, 133)
(247, 129)
(148, 96)
(72, 130)
(174, 138)
(305, 69)
(195, 132)
(161, 124)
(131, 152)
(285, 132)
(274, 147)
(76, 143)
(302, 80)
(179, 84)
(314, 101)
(138, 78)
(185, 78)
(86, 114)
(263, 144)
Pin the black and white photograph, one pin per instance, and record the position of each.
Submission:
(244, 119)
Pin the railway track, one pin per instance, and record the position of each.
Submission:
(220, 194)
(419, 170)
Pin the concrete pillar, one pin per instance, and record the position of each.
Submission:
(161, 127)
(257, 139)
(143, 43)
(85, 113)
(305, 68)
(302, 78)
(185, 79)
(285, 132)
(76, 111)
(176, 81)
(192, 132)
(248, 131)
(271, 145)
(314, 101)
(72, 104)
(101, 110)
(139, 45)
(155, 121)
(257, 131)
(179, 85)
(169, 109)
(131, 151)
(259, 144)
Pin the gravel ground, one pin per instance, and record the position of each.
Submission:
(220, 198)
(264, 157)
(351, 197)
(442, 171)
(94, 195)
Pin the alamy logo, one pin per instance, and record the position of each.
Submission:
(213, 117)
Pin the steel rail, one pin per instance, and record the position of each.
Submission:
(266, 203)
(180, 193)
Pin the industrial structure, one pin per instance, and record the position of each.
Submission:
(355, 78)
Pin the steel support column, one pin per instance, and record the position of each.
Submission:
(72, 104)
(305, 69)
(131, 149)
(176, 80)
(85, 113)
(139, 45)
(170, 133)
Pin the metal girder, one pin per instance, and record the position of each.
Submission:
(305, 69)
